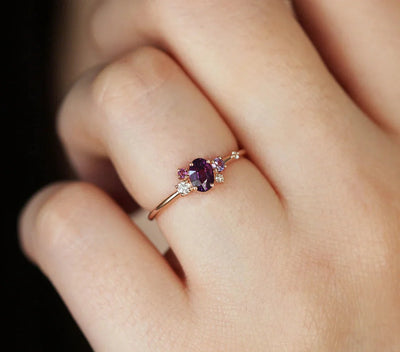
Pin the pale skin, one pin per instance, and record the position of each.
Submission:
(299, 249)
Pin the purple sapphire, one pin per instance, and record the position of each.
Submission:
(219, 164)
(201, 175)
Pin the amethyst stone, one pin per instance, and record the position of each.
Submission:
(201, 175)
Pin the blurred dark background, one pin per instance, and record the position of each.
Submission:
(35, 316)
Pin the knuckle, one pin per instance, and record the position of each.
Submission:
(376, 255)
(134, 78)
(58, 220)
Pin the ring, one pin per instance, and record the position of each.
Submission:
(200, 176)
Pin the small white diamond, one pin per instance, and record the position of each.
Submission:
(183, 188)
(219, 178)
(235, 155)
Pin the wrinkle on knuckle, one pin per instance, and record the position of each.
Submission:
(373, 199)
(132, 81)
(58, 219)
(377, 257)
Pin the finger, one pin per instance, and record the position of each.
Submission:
(112, 279)
(270, 85)
(98, 169)
(146, 115)
(360, 41)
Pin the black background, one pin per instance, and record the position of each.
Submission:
(35, 317)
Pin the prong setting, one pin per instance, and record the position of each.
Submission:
(235, 155)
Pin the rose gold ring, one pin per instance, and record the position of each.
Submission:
(200, 176)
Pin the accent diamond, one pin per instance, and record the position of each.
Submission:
(183, 188)
(219, 178)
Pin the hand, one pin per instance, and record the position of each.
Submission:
(299, 249)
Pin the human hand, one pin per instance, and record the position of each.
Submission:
(299, 249)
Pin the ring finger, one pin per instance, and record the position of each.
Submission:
(146, 115)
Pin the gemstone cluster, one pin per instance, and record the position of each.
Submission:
(201, 175)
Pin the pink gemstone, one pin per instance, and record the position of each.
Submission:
(182, 173)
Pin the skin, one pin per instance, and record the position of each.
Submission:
(299, 249)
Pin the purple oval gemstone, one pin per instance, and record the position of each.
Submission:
(201, 175)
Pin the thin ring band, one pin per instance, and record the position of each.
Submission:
(200, 176)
